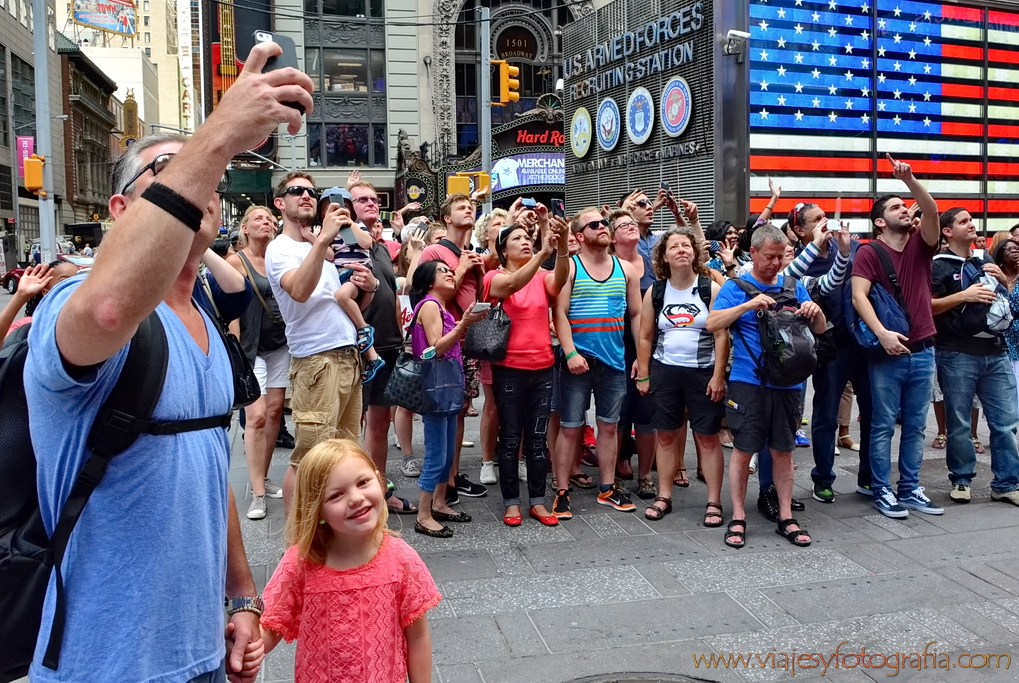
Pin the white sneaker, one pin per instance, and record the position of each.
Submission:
(257, 508)
(753, 463)
(522, 471)
(488, 473)
(272, 490)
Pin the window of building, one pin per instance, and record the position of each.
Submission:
(23, 91)
(313, 66)
(145, 20)
(378, 70)
(345, 69)
(148, 37)
(6, 189)
(4, 120)
(146, 5)
(148, 52)
(347, 8)
(347, 144)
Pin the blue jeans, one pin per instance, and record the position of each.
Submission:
(608, 385)
(991, 378)
(829, 383)
(440, 446)
(900, 384)
(217, 676)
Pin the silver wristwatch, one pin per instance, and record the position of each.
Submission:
(245, 604)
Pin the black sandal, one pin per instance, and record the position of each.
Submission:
(708, 513)
(659, 512)
(741, 535)
(792, 536)
(407, 508)
(446, 517)
(444, 532)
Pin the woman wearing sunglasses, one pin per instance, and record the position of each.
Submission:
(523, 381)
(436, 334)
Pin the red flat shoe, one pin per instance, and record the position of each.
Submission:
(515, 520)
(547, 520)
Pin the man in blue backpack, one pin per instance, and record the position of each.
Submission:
(972, 360)
(902, 375)
(762, 412)
(158, 543)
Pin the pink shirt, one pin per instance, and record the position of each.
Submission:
(349, 623)
(468, 292)
(530, 340)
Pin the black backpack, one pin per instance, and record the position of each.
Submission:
(658, 301)
(788, 347)
(27, 554)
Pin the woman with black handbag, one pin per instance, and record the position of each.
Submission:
(263, 339)
(435, 339)
(522, 379)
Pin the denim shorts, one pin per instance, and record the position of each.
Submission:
(608, 385)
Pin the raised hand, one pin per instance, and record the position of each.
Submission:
(900, 169)
(35, 280)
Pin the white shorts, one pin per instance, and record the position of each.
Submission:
(273, 369)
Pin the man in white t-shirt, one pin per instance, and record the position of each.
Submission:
(325, 369)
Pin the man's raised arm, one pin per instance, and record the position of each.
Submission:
(147, 250)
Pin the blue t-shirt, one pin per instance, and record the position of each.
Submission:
(145, 568)
(730, 295)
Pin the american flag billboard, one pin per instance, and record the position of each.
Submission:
(834, 85)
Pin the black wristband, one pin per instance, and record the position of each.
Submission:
(175, 205)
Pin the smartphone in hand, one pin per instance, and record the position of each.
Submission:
(559, 208)
(283, 61)
(529, 203)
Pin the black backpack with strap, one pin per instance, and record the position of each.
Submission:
(27, 554)
(658, 301)
(788, 347)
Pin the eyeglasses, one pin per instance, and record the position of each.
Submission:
(643, 203)
(160, 162)
(366, 200)
(595, 225)
(626, 225)
(443, 269)
(299, 190)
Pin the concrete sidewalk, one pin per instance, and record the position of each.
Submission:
(609, 592)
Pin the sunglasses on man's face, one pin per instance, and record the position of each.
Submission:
(595, 225)
(298, 190)
(161, 162)
(643, 203)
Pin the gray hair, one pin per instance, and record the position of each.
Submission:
(768, 232)
(481, 225)
(130, 163)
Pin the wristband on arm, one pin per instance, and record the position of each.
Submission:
(174, 204)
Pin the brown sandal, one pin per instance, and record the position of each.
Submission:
(708, 513)
(681, 480)
(658, 512)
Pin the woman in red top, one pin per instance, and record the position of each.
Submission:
(523, 381)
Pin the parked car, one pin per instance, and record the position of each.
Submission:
(12, 277)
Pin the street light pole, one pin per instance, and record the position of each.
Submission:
(43, 132)
(485, 132)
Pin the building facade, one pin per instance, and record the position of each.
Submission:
(88, 101)
(20, 68)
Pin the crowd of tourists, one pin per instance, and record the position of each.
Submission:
(714, 328)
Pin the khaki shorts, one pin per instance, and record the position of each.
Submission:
(326, 400)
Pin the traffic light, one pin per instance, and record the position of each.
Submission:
(33, 173)
(509, 84)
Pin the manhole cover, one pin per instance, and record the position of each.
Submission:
(642, 678)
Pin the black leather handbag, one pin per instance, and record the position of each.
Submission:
(488, 339)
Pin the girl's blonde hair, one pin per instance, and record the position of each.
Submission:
(303, 528)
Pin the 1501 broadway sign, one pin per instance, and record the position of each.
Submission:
(644, 51)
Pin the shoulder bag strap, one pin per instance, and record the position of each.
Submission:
(251, 277)
(750, 290)
(136, 391)
(204, 279)
(704, 289)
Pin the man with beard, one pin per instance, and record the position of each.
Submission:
(457, 215)
(590, 315)
(384, 316)
(902, 375)
(325, 370)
